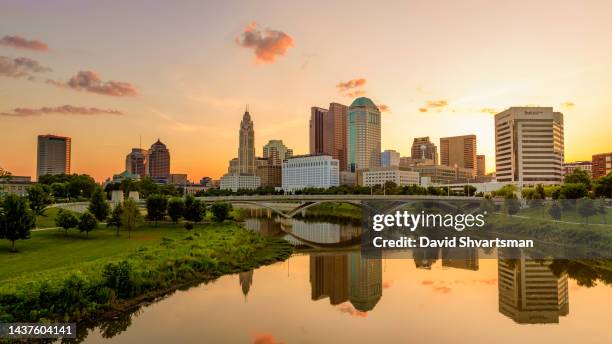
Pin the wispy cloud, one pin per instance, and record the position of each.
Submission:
(568, 105)
(265, 338)
(352, 88)
(61, 110)
(90, 81)
(267, 44)
(489, 111)
(19, 42)
(20, 67)
(434, 105)
(383, 108)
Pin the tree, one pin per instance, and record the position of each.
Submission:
(469, 190)
(66, 220)
(579, 176)
(555, 211)
(39, 197)
(156, 207)
(59, 190)
(116, 218)
(573, 191)
(147, 187)
(220, 211)
(176, 208)
(87, 223)
(540, 192)
(512, 204)
(603, 186)
(131, 216)
(16, 220)
(194, 209)
(586, 209)
(98, 205)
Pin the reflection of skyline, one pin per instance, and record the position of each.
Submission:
(346, 277)
(529, 292)
(245, 279)
(424, 258)
(460, 258)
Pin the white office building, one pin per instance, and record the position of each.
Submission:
(239, 181)
(380, 176)
(529, 146)
(310, 171)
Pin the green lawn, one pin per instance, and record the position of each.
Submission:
(50, 249)
(47, 220)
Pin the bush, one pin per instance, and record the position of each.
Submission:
(176, 208)
(87, 223)
(220, 211)
(156, 207)
(66, 220)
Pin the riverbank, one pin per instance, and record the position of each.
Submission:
(122, 272)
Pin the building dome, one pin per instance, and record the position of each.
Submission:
(363, 101)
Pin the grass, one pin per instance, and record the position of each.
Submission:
(569, 215)
(47, 220)
(51, 248)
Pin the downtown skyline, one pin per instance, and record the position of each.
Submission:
(440, 78)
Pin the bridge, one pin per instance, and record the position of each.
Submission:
(299, 203)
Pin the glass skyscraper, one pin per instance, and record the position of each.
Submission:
(363, 135)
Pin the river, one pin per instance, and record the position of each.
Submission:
(328, 292)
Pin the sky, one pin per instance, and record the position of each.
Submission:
(112, 74)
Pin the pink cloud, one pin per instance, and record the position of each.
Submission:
(350, 310)
(268, 44)
(19, 42)
(265, 338)
(353, 83)
(91, 82)
(62, 110)
(21, 67)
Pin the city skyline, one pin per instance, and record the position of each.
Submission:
(191, 98)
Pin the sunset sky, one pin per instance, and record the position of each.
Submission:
(107, 72)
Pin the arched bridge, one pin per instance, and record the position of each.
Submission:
(299, 203)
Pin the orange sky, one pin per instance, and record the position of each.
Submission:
(184, 72)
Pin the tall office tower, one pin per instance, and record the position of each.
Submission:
(275, 151)
(245, 279)
(363, 135)
(601, 165)
(459, 150)
(481, 168)
(320, 131)
(136, 162)
(424, 149)
(339, 114)
(159, 162)
(389, 158)
(529, 145)
(246, 146)
(529, 292)
(53, 155)
(365, 281)
(328, 132)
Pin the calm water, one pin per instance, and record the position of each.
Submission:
(327, 292)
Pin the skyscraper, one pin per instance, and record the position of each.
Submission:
(328, 132)
(276, 151)
(246, 146)
(363, 135)
(389, 158)
(423, 148)
(481, 168)
(529, 145)
(136, 162)
(159, 162)
(53, 155)
(459, 150)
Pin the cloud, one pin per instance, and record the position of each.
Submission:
(265, 338)
(354, 83)
(350, 310)
(268, 44)
(387, 284)
(19, 42)
(62, 110)
(383, 108)
(351, 88)
(435, 105)
(568, 105)
(20, 67)
(489, 111)
(91, 82)
(442, 289)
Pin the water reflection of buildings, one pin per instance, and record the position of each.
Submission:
(246, 280)
(264, 226)
(322, 232)
(346, 277)
(460, 258)
(424, 258)
(529, 292)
